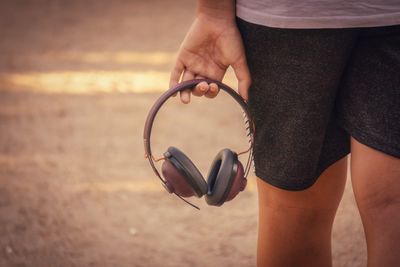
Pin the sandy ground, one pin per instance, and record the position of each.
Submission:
(75, 189)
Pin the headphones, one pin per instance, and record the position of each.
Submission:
(227, 176)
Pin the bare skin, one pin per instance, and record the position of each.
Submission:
(375, 178)
(212, 44)
(295, 227)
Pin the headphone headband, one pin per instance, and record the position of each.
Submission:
(180, 87)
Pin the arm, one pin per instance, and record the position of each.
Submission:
(212, 44)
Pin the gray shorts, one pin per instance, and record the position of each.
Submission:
(314, 88)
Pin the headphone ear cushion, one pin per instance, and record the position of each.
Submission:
(221, 177)
(182, 174)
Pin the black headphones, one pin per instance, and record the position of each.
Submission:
(227, 176)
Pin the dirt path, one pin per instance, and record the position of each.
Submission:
(74, 188)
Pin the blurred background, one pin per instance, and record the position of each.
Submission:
(77, 79)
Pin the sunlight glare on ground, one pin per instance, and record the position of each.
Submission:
(156, 58)
(95, 79)
(86, 82)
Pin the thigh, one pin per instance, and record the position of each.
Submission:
(369, 101)
(375, 178)
(295, 226)
(295, 78)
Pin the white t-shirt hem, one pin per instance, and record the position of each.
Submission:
(275, 21)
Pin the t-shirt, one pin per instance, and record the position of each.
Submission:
(319, 14)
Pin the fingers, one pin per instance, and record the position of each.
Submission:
(185, 94)
(243, 76)
(208, 90)
(201, 88)
(212, 91)
(176, 74)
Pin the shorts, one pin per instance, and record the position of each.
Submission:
(314, 88)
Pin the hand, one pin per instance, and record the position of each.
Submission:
(209, 48)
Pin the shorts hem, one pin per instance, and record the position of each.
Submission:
(369, 140)
(290, 187)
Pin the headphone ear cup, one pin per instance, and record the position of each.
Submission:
(239, 183)
(176, 182)
(225, 178)
(182, 175)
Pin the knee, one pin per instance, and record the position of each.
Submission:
(376, 192)
(378, 203)
(375, 177)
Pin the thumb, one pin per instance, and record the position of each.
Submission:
(243, 76)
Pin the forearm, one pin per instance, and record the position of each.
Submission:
(218, 9)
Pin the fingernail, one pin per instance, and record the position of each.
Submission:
(185, 100)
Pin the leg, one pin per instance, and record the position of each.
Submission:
(376, 185)
(295, 226)
(292, 99)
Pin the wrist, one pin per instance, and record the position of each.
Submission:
(219, 10)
